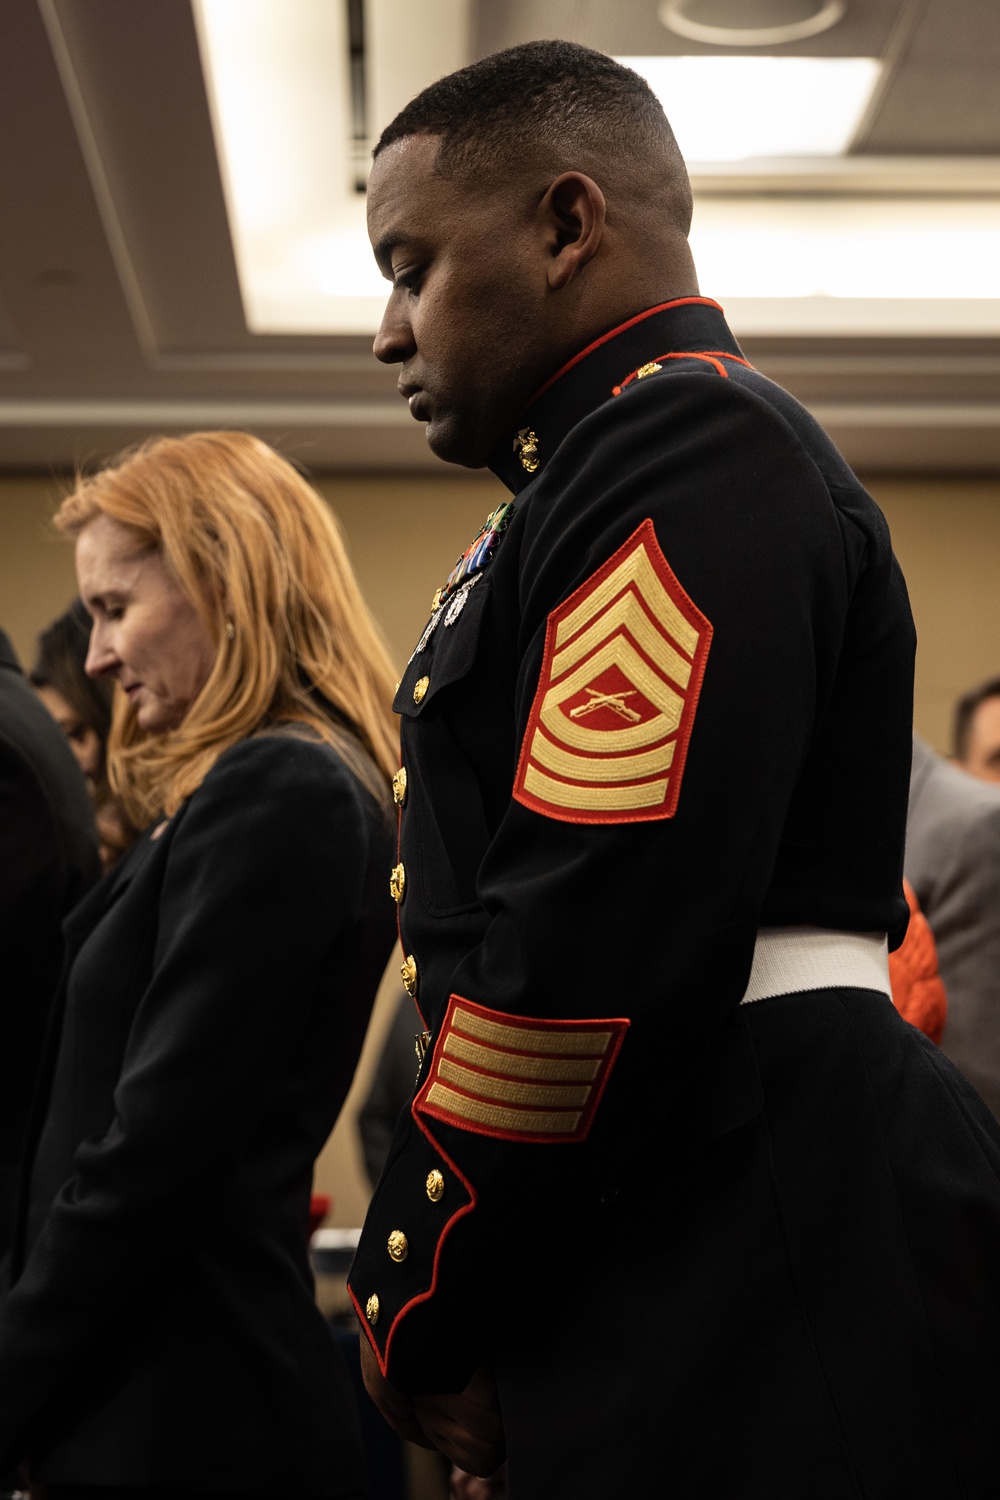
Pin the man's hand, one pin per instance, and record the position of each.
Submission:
(467, 1427)
(468, 1487)
(394, 1406)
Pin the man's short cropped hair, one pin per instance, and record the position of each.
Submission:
(965, 710)
(550, 95)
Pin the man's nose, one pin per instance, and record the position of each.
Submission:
(394, 341)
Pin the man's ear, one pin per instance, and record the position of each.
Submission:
(573, 213)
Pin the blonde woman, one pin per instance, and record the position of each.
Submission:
(160, 1333)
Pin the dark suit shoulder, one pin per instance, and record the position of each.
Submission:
(284, 764)
(274, 802)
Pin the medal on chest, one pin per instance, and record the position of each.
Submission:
(450, 599)
(480, 553)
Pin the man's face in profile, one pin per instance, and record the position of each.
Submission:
(464, 315)
(982, 756)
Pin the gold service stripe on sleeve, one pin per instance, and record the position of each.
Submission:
(600, 798)
(548, 1069)
(534, 1095)
(495, 1117)
(563, 1043)
(591, 768)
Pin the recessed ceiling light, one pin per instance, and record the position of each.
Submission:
(739, 108)
(767, 23)
(278, 80)
(871, 249)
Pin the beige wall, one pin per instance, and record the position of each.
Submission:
(946, 534)
(404, 534)
(36, 566)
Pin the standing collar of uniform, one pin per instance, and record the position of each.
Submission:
(693, 325)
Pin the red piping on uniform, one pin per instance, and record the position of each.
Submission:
(383, 1363)
(710, 357)
(613, 334)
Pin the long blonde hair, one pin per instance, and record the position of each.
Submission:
(251, 543)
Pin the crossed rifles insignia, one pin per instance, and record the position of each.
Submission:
(613, 701)
(609, 727)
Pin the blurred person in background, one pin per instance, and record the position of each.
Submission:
(976, 741)
(953, 863)
(161, 1332)
(81, 706)
(48, 861)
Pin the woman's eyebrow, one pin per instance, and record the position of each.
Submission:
(105, 597)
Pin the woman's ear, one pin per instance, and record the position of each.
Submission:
(574, 212)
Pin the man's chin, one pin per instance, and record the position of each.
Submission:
(447, 440)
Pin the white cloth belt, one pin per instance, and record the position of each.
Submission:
(789, 959)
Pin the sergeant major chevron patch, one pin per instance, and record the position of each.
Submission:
(621, 674)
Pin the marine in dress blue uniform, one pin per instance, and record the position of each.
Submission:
(719, 1220)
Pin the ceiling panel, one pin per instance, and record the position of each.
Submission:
(136, 77)
(944, 94)
(120, 312)
(58, 282)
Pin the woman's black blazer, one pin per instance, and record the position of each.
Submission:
(161, 1330)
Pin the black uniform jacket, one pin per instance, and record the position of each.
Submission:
(48, 860)
(709, 1249)
(161, 1331)
(673, 707)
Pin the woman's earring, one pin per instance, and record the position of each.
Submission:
(230, 629)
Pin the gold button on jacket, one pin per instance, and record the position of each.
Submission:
(371, 1309)
(397, 883)
(399, 787)
(408, 974)
(435, 1185)
(420, 688)
(399, 1245)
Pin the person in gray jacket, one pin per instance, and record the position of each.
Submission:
(953, 863)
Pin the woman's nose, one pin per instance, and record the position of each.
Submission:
(100, 656)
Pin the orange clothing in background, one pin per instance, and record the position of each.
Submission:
(918, 991)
